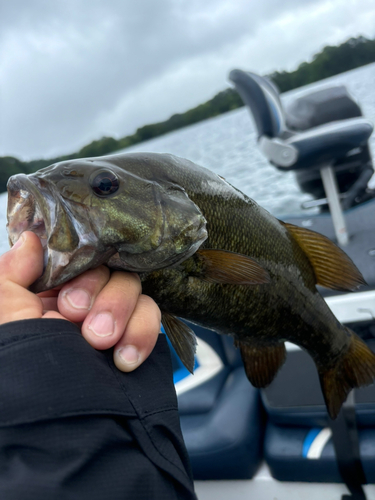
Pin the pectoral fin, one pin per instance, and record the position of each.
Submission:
(261, 363)
(333, 268)
(221, 266)
(182, 338)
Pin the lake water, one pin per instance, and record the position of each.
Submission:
(226, 144)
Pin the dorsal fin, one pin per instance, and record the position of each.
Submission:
(182, 338)
(333, 268)
(222, 266)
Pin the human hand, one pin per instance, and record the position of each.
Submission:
(109, 308)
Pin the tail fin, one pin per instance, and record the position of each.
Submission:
(355, 368)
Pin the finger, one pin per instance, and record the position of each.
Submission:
(53, 292)
(17, 303)
(77, 297)
(53, 315)
(140, 335)
(23, 263)
(49, 304)
(19, 268)
(111, 311)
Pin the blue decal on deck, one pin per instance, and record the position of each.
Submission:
(315, 443)
(309, 439)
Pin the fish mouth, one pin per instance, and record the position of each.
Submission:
(28, 204)
(34, 205)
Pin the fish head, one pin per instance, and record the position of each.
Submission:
(87, 212)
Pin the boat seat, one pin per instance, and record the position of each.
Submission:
(220, 411)
(322, 105)
(316, 148)
(299, 441)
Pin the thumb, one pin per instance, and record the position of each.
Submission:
(19, 268)
(23, 263)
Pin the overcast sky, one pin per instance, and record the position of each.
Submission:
(72, 71)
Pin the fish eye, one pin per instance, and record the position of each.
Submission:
(105, 183)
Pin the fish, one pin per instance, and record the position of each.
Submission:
(205, 252)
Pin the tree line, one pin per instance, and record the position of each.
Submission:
(332, 60)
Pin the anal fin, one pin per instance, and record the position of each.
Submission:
(182, 338)
(262, 362)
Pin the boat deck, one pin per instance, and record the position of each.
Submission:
(264, 487)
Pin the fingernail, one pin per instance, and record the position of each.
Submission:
(19, 242)
(102, 324)
(78, 298)
(129, 355)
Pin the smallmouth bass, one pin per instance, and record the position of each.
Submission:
(205, 252)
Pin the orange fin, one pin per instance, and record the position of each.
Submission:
(182, 338)
(356, 368)
(262, 363)
(333, 268)
(221, 266)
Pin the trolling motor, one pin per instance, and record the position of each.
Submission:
(322, 136)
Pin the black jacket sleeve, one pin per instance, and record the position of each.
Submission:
(74, 427)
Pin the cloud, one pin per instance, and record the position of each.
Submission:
(75, 70)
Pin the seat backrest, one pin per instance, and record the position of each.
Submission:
(262, 97)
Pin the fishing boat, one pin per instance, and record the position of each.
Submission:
(280, 442)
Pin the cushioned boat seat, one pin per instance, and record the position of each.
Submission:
(295, 396)
(298, 443)
(221, 415)
(287, 149)
(333, 140)
(321, 106)
(307, 454)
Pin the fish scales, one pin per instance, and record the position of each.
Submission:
(205, 252)
(233, 221)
